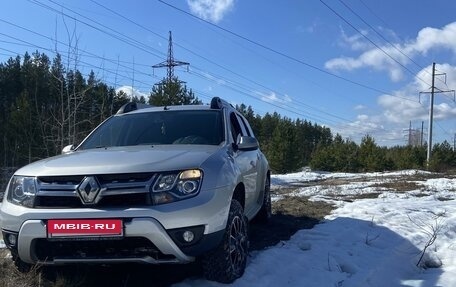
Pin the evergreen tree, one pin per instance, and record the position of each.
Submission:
(44, 106)
(120, 99)
(282, 154)
(174, 92)
(372, 157)
(443, 157)
(340, 155)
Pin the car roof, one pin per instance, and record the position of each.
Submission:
(171, 108)
(135, 108)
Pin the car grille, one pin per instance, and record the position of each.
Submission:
(128, 247)
(116, 190)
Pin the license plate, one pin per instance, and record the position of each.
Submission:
(76, 228)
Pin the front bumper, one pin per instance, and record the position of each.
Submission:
(148, 228)
(148, 232)
(153, 246)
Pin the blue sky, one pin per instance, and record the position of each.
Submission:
(355, 66)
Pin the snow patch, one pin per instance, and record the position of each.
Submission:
(365, 242)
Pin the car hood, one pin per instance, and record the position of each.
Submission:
(122, 160)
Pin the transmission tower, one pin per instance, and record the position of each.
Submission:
(414, 136)
(170, 63)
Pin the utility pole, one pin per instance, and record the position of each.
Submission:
(422, 130)
(410, 134)
(454, 143)
(170, 63)
(431, 109)
(431, 115)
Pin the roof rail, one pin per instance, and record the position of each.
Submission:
(131, 106)
(218, 103)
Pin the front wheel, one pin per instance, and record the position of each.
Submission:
(20, 265)
(265, 212)
(227, 262)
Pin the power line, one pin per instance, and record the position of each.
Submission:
(372, 42)
(129, 43)
(86, 53)
(379, 34)
(276, 51)
(373, 13)
(389, 26)
(346, 21)
(214, 78)
(166, 64)
(29, 44)
(123, 38)
(186, 49)
(233, 87)
(192, 51)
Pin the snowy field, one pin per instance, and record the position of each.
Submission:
(374, 237)
(364, 242)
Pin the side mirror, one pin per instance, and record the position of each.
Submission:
(247, 143)
(68, 149)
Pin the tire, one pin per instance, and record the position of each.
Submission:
(227, 262)
(20, 265)
(265, 213)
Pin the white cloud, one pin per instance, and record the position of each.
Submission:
(217, 80)
(132, 92)
(355, 42)
(429, 38)
(373, 58)
(273, 98)
(363, 117)
(396, 110)
(400, 110)
(211, 10)
(359, 107)
(405, 104)
(426, 40)
(363, 125)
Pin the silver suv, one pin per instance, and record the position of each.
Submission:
(149, 185)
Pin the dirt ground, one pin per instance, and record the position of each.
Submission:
(290, 214)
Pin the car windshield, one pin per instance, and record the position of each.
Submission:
(159, 128)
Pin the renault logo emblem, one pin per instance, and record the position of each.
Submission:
(88, 190)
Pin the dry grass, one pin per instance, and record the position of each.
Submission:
(302, 207)
(10, 277)
(352, 198)
(399, 185)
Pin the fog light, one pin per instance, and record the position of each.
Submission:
(188, 236)
(12, 239)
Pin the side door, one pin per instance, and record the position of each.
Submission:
(246, 160)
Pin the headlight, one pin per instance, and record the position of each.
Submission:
(171, 187)
(22, 190)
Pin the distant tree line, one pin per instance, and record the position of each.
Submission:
(288, 144)
(46, 104)
(293, 144)
(347, 156)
